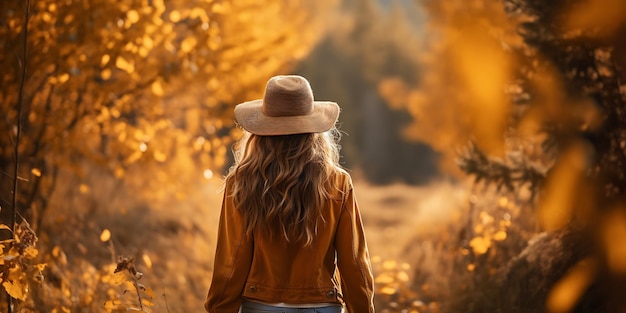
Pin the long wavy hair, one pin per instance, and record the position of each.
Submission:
(281, 183)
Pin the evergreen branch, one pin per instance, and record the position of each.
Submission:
(475, 162)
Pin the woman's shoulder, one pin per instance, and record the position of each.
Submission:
(342, 181)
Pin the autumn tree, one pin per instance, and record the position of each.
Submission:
(140, 89)
(532, 95)
(138, 81)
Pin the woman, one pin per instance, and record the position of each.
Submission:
(289, 216)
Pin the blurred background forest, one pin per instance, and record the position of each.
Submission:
(487, 140)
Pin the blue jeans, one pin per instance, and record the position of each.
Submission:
(253, 307)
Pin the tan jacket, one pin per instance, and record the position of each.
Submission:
(274, 271)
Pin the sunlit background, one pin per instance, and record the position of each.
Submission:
(486, 139)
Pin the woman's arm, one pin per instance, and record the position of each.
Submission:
(233, 257)
(357, 282)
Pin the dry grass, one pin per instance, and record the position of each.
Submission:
(172, 240)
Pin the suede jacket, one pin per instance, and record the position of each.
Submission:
(275, 271)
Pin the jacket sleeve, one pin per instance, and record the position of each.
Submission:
(357, 282)
(233, 258)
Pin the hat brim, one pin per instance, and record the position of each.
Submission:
(322, 118)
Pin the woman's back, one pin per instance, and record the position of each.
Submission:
(289, 216)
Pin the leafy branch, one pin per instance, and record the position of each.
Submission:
(23, 63)
(499, 172)
(126, 266)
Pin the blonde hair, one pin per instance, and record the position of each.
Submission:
(281, 183)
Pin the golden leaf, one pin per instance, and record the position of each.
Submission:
(16, 290)
(143, 52)
(147, 42)
(30, 252)
(119, 278)
(156, 88)
(613, 232)
(160, 156)
(110, 305)
(149, 292)
(68, 18)
(175, 16)
(83, 188)
(133, 157)
(603, 15)
(119, 172)
(479, 228)
(56, 251)
(390, 264)
(198, 12)
(46, 17)
(63, 78)
(147, 302)
(480, 245)
(16, 273)
(388, 290)
(124, 65)
(486, 218)
(566, 293)
(147, 260)
(384, 278)
(500, 235)
(36, 172)
(564, 188)
(128, 285)
(503, 202)
(115, 112)
(106, 74)
(105, 60)
(188, 44)
(403, 276)
(105, 235)
(132, 16)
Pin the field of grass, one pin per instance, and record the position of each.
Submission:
(172, 240)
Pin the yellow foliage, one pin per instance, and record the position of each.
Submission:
(124, 65)
(566, 188)
(147, 260)
(105, 235)
(613, 231)
(384, 278)
(471, 267)
(480, 244)
(390, 264)
(36, 172)
(483, 69)
(460, 95)
(15, 289)
(112, 82)
(500, 235)
(601, 16)
(157, 88)
(82, 188)
(387, 290)
(566, 293)
(30, 252)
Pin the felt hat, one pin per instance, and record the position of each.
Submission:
(287, 108)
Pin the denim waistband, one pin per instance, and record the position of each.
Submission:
(254, 307)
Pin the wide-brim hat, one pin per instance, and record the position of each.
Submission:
(287, 108)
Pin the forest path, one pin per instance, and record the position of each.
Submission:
(178, 235)
(396, 215)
